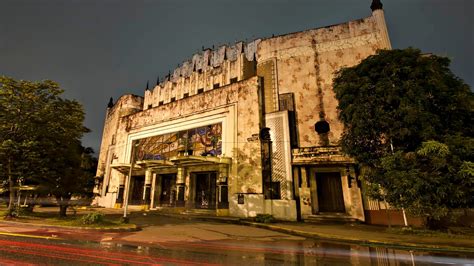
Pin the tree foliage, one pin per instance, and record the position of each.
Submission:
(39, 137)
(408, 121)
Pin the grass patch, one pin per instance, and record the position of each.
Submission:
(455, 232)
(74, 220)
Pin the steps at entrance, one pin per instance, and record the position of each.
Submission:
(330, 218)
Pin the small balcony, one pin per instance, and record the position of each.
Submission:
(320, 155)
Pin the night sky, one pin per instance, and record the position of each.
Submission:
(105, 48)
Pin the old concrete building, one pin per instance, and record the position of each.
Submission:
(243, 130)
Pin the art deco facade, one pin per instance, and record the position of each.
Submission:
(243, 129)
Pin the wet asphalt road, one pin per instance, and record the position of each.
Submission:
(179, 242)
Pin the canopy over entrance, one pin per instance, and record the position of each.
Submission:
(174, 162)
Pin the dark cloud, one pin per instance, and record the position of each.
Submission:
(100, 49)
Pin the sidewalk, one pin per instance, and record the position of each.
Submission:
(355, 233)
(369, 234)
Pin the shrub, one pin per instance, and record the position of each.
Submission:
(92, 218)
(264, 218)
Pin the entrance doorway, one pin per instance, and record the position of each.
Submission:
(330, 198)
(168, 190)
(136, 190)
(205, 193)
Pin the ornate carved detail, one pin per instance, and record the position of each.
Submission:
(362, 40)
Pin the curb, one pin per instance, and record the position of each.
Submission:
(358, 240)
(102, 229)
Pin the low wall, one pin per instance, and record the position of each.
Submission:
(381, 217)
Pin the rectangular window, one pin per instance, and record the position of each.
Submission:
(149, 106)
(233, 80)
(160, 103)
(216, 85)
(173, 99)
(201, 90)
(186, 95)
(287, 102)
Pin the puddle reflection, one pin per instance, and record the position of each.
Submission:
(308, 252)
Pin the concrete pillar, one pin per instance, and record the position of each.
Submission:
(147, 188)
(296, 182)
(313, 191)
(189, 191)
(304, 177)
(180, 177)
(182, 187)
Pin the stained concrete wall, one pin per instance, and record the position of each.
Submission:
(125, 105)
(304, 63)
(235, 103)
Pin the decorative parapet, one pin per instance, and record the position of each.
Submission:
(320, 155)
(211, 58)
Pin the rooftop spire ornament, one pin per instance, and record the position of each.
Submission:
(376, 4)
(111, 103)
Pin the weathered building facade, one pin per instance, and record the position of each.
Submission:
(243, 129)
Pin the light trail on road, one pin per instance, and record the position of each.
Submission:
(84, 255)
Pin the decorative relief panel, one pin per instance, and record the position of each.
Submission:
(281, 159)
(362, 40)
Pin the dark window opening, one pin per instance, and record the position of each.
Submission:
(160, 103)
(216, 85)
(201, 90)
(149, 106)
(273, 190)
(120, 194)
(199, 71)
(300, 180)
(186, 95)
(173, 99)
(322, 127)
(223, 201)
(287, 102)
(233, 80)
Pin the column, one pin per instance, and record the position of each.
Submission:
(181, 184)
(121, 189)
(147, 188)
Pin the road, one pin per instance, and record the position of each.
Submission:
(171, 241)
